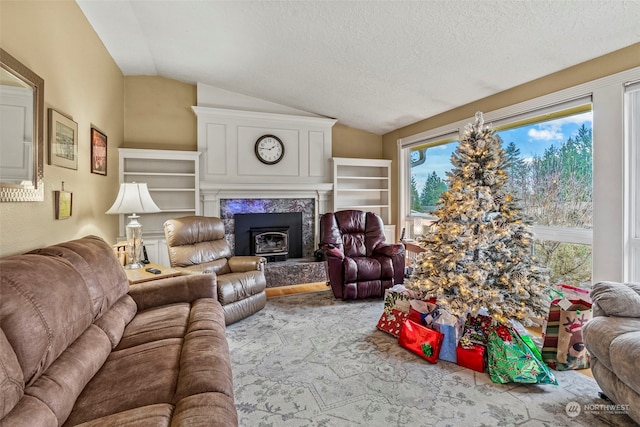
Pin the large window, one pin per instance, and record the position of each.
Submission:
(549, 163)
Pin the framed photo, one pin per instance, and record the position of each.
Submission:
(98, 152)
(63, 141)
(63, 204)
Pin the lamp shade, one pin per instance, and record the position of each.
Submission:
(133, 198)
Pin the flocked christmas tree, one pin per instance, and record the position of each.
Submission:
(478, 254)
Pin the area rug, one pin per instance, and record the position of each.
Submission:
(311, 360)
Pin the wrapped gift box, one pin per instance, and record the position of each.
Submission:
(423, 341)
(396, 308)
(391, 322)
(473, 357)
(451, 327)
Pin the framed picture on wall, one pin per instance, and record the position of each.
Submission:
(63, 204)
(63, 140)
(98, 152)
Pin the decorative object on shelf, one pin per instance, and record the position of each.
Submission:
(63, 203)
(133, 198)
(269, 149)
(63, 140)
(98, 152)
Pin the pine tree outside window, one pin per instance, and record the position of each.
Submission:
(550, 175)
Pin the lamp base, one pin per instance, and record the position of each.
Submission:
(134, 266)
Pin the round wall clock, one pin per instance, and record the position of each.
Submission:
(269, 149)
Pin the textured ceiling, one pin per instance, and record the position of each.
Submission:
(373, 65)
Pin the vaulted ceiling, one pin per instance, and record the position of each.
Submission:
(373, 65)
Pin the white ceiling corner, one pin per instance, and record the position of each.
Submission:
(373, 65)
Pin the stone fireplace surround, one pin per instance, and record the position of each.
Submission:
(224, 200)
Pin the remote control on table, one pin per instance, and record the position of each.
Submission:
(153, 270)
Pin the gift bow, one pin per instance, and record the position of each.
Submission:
(465, 342)
(427, 349)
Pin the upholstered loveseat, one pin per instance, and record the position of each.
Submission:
(613, 340)
(78, 347)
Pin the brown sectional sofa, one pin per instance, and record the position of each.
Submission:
(77, 347)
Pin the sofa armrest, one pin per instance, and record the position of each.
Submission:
(333, 252)
(185, 288)
(390, 249)
(242, 263)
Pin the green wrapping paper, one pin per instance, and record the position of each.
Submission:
(511, 360)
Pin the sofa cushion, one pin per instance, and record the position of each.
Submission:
(601, 333)
(116, 319)
(146, 416)
(201, 409)
(60, 385)
(33, 288)
(154, 324)
(130, 378)
(11, 377)
(94, 259)
(617, 299)
(625, 358)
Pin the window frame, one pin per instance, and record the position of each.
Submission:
(632, 182)
(609, 179)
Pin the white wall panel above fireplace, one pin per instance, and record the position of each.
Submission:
(227, 138)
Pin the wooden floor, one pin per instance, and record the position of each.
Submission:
(296, 289)
(322, 286)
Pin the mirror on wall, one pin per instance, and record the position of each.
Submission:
(21, 132)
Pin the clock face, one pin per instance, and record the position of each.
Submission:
(269, 149)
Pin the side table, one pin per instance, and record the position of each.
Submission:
(139, 275)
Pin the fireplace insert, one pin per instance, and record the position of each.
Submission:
(270, 242)
(276, 236)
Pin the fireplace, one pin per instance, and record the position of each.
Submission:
(270, 242)
(275, 236)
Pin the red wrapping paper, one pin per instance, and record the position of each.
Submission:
(392, 322)
(474, 357)
(421, 340)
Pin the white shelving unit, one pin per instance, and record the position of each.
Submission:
(364, 184)
(174, 184)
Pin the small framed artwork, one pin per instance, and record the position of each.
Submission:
(63, 202)
(98, 152)
(63, 140)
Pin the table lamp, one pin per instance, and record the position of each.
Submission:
(133, 198)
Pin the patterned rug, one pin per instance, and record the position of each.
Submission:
(311, 360)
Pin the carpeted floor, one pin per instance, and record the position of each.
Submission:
(311, 360)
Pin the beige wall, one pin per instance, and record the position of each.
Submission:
(352, 142)
(158, 114)
(606, 65)
(55, 40)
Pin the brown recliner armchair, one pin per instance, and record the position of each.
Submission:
(360, 262)
(197, 245)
